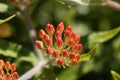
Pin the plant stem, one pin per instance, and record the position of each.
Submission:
(113, 4)
(35, 69)
(32, 33)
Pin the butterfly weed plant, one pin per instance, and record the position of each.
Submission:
(60, 44)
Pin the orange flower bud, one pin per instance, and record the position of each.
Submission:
(45, 36)
(48, 42)
(7, 65)
(1, 78)
(41, 33)
(77, 39)
(60, 27)
(15, 75)
(73, 36)
(77, 47)
(55, 53)
(70, 42)
(71, 55)
(50, 29)
(49, 51)
(59, 42)
(60, 62)
(13, 67)
(39, 44)
(64, 53)
(57, 34)
(74, 62)
(2, 63)
(67, 34)
(77, 56)
(1, 70)
(8, 76)
(69, 28)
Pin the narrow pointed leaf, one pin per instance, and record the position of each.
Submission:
(9, 49)
(101, 37)
(7, 19)
(89, 55)
(115, 75)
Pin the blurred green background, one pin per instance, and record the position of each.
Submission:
(15, 44)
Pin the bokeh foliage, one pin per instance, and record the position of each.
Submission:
(96, 24)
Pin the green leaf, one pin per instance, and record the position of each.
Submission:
(69, 73)
(7, 19)
(13, 50)
(115, 75)
(3, 7)
(89, 55)
(101, 37)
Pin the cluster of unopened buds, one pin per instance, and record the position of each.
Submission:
(7, 71)
(62, 45)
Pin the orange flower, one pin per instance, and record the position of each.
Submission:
(64, 49)
(7, 72)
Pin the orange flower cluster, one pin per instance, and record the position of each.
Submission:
(7, 71)
(62, 45)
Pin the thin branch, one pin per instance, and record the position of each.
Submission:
(35, 69)
(32, 33)
(113, 4)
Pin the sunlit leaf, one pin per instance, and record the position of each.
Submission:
(115, 75)
(13, 50)
(84, 2)
(7, 19)
(89, 55)
(3, 7)
(101, 37)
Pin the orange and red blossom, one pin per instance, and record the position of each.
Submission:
(7, 65)
(1, 70)
(61, 44)
(13, 67)
(60, 27)
(77, 47)
(15, 75)
(50, 29)
(7, 71)
(2, 63)
(49, 51)
(39, 44)
(69, 28)
(8, 76)
(60, 62)
(55, 53)
(74, 62)
(41, 33)
(58, 34)
(64, 53)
